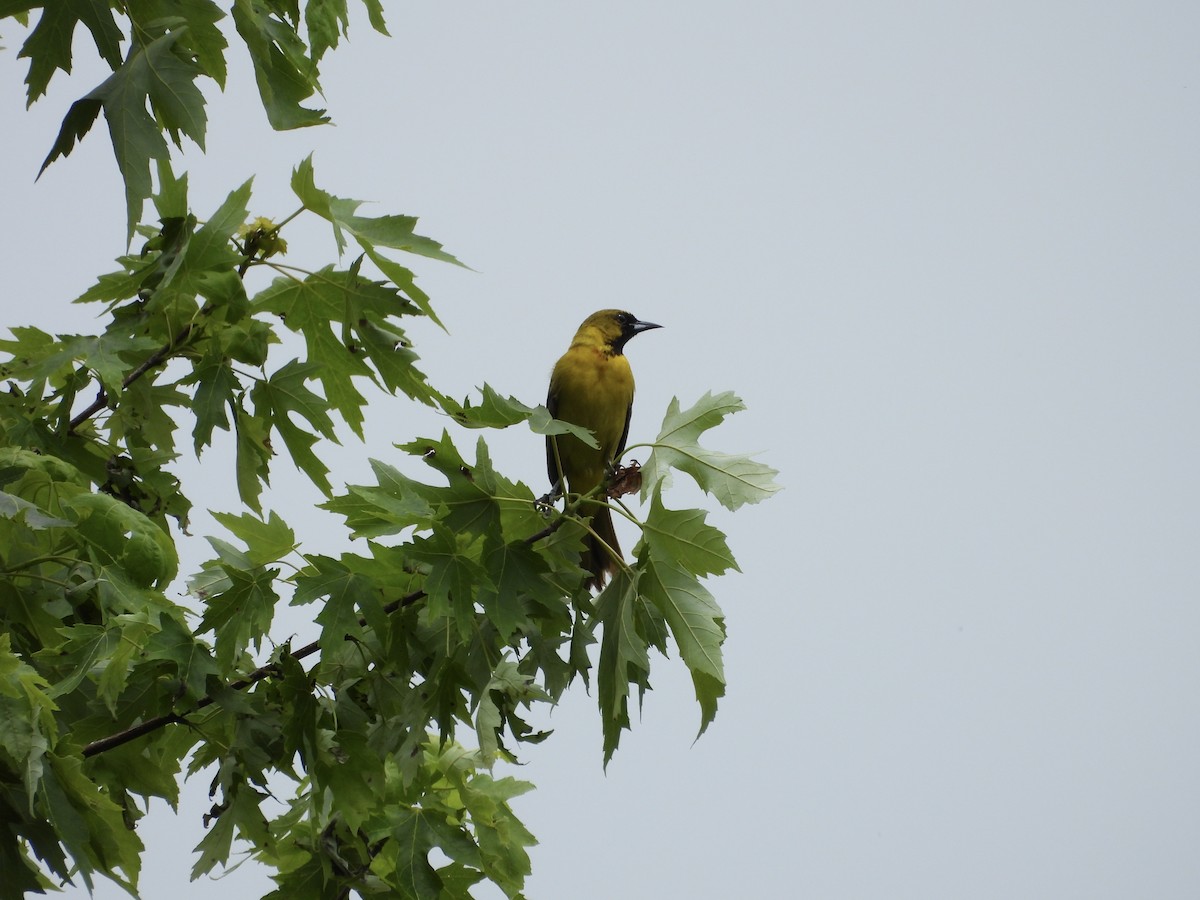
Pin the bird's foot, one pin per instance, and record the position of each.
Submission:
(545, 503)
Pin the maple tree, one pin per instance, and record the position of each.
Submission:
(464, 611)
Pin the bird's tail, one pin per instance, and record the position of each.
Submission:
(596, 558)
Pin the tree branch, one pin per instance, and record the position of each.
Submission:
(260, 674)
(155, 359)
(263, 672)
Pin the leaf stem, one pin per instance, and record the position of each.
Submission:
(289, 218)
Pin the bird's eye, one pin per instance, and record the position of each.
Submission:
(624, 318)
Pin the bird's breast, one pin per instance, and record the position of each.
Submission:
(594, 390)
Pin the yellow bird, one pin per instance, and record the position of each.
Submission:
(592, 386)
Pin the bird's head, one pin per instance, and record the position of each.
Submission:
(613, 328)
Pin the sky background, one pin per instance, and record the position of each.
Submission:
(949, 255)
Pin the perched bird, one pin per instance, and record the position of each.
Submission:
(592, 386)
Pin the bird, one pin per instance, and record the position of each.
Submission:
(592, 386)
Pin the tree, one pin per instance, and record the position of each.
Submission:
(463, 611)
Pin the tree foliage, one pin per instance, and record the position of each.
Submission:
(462, 611)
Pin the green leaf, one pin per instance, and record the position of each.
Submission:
(507, 689)
(312, 307)
(97, 16)
(733, 480)
(211, 247)
(285, 394)
(84, 649)
(350, 772)
(110, 356)
(395, 232)
(388, 351)
(240, 810)
(326, 21)
(136, 631)
(191, 659)
(178, 103)
(300, 726)
(344, 591)
(48, 48)
(171, 244)
(216, 385)
(285, 74)
(501, 836)
(151, 73)
(19, 9)
(685, 537)
(121, 285)
(266, 541)
(253, 454)
(90, 824)
(494, 411)
(375, 14)
(454, 576)
(395, 503)
(171, 201)
(13, 507)
(240, 615)
(516, 582)
(412, 840)
(27, 724)
(347, 320)
(80, 117)
(696, 622)
(149, 768)
(346, 581)
(125, 539)
(203, 37)
(469, 497)
(403, 279)
(623, 657)
(238, 588)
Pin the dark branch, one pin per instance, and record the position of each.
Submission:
(157, 358)
(263, 672)
(260, 674)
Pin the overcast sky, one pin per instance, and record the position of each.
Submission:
(949, 254)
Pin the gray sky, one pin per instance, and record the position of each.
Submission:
(947, 253)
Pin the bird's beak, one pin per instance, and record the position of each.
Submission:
(639, 327)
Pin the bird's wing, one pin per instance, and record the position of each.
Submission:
(551, 462)
(624, 435)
